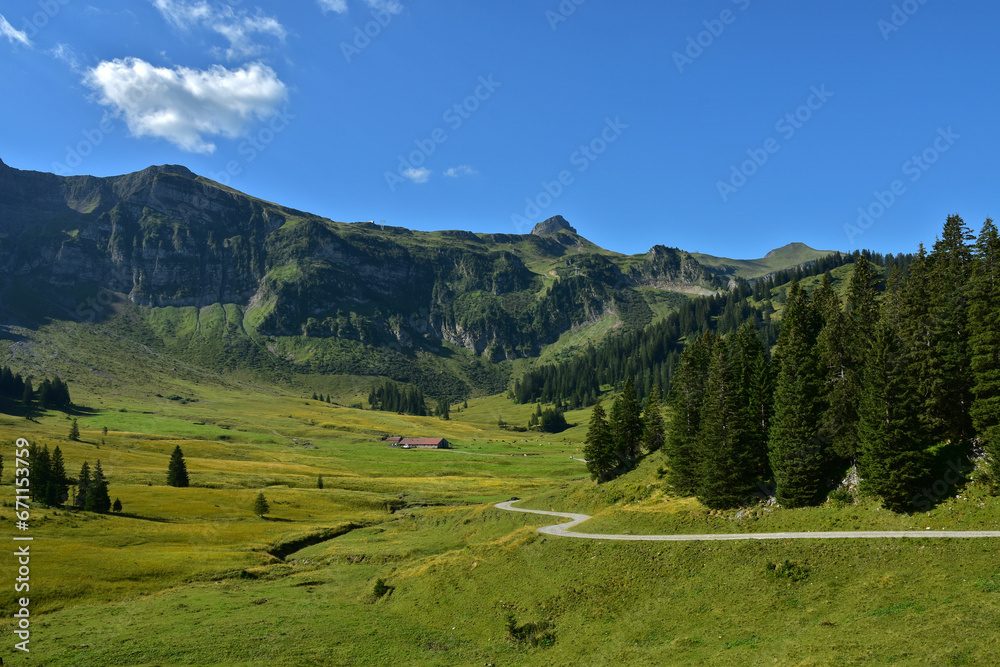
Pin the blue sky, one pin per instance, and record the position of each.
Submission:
(727, 126)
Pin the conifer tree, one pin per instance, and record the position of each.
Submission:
(686, 397)
(796, 450)
(319, 482)
(756, 395)
(625, 421)
(723, 474)
(82, 485)
(97, 499)
(951, 389)
(58, 486)
(74, 431)
(117, 507)
(599, 448)
(260, 505)
(652, 421)
(984, 327)
(39, 472)
(862, 302)
(28, 395)
(891, 441)
(177, 474)
(840, 353)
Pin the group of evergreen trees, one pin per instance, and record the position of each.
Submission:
(52, 393)
(49, 483)
(875, 379)
(548, 420)
(650, 356)
(391, 396)
(617, 439)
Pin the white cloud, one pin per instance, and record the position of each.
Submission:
(10, 32)
(65, 53)
(185, 105)
(420, 175)
(339, 6)
(391, 6)
(459, 171)
(238, 28)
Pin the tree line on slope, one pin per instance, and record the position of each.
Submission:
(48, 483)
(52, 393)
(650, 356)
(878, 382)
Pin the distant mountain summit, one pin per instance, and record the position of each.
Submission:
(553, 225)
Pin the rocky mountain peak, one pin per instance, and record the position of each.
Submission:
(554, 224)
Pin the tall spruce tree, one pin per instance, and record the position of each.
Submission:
(98, 500)
(891, 441)
(40, 472)
(652, 421)
(599, 448)
(82, 485)
(727, 479)
(625, 420)
(951, 390)
(984, 343)
(796, 449)
(756, 395)
(839, 351)
(682, 444)
(28, 395)
(74, 431)
(177, 474)
(57, 491)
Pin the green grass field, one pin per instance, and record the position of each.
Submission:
(192, 577)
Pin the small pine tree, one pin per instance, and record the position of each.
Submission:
(74, 431)
(319, 482)
(117, 507)
(104, 431)
(177, 474)
(260, 506)
(28, 395)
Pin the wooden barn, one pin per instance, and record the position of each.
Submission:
(424, 443)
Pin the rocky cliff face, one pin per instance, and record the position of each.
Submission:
(167, 237)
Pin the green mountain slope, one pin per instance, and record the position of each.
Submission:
(210, 275)
(793, 254)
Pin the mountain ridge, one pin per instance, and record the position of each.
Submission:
(307, 292)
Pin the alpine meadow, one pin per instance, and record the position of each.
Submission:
(561, 334)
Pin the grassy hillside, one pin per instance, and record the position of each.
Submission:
(791, 255)
(190, 576)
